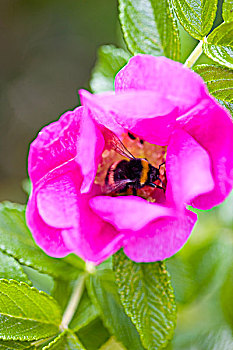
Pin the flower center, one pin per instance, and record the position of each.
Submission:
(156, 155)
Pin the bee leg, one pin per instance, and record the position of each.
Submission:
(161, 182)
(157, 186)
(151, 184)
(161, 165)
(134, 191)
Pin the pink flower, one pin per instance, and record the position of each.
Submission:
(162, 103)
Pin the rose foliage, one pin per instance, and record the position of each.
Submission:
(162, 103)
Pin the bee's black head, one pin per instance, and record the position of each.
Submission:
(154, 174)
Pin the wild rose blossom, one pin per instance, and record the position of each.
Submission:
(168, 107)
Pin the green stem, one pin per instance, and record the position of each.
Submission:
(195, 54)
(73, 302)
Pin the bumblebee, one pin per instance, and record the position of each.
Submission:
(133, 173)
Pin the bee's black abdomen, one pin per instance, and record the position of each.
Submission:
(135, 168)
(121, 171)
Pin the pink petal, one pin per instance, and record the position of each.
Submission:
(128, 212)
(211, 126)
(57, 202)
(78, 229)
(90, 144)
(48, 238)
(170, 79)
(145, 113)
(54, 145)
(96, 104)
(96, 240)
(188, 169)
(160, 239)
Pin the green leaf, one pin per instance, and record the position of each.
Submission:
(106, 264)
(16, 240)
(197, 17)
(110, 60)
(93, 335)
(210, 263)
(103, 292)
(112, 344)
(181, 279)
(202, 271)
(226, 296)
(65, 341)
(26, 313)
(229, 106)
(85, 313)
(40, 281)
(216, 339)
(14, 345)
(227, 10)
(27, 186)
(219, 46)
(219, 81)
(150, 27)
(148, 299)
(75, 261)
(11, 269)
(62, 292)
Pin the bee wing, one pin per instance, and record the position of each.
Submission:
(118, 146)
(117, 186)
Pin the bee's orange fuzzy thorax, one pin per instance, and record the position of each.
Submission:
(145, 170)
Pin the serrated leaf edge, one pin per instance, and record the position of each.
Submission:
(18, 284)
(54, 341)
(24, 275)
(132, 316)
(223, 62)
(193, 32)
(21, 208)
(126, 34)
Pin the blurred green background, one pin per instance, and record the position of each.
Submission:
(48, 48)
